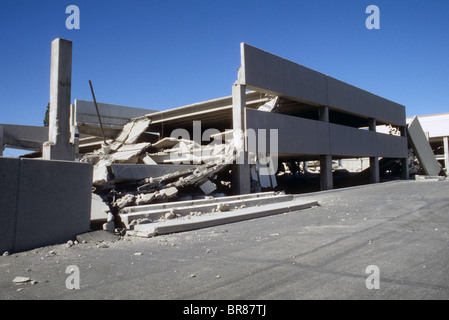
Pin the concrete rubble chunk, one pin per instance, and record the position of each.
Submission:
(20, 279)
(207, 186)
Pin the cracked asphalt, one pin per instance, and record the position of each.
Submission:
(318, 253)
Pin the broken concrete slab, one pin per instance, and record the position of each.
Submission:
(200, 207)
(185, 203)
(181, 225)
(131, 132)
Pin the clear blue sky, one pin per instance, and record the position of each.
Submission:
(164, 54)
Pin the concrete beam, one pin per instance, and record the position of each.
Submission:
(58, 146)
(113, 117)
(223, 205)
(171, 226)
(24, 137)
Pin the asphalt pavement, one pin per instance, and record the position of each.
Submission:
(373, 242)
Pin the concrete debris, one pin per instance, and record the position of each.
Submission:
(20, 279)
(135, 171)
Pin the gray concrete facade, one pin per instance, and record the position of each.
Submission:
(345, 121)
(42, 202)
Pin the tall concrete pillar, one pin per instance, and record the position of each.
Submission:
(58, 146)
(446, 154)
(2, 146)
(241, 170)
(373, 161)
(404, 161)
(326, 179)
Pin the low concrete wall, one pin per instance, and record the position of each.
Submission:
(42, 202)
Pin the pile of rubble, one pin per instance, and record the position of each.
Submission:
(130, 171)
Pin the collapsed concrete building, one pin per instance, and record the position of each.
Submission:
(220, 155)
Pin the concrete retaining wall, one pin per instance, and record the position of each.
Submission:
(42, 202)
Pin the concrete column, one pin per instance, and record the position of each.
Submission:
(446, 154)
(324, 113)
(373, 161)
(241, 170)
(326, 178)
(374, 170)
(404, 161)
(58, 146)
(2, 146)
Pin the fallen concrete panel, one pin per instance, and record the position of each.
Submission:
(172, 226)
(186, 203)
(422, 148)
(204, 208)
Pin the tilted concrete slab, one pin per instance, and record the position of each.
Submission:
(181, 225)
(422, 148)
